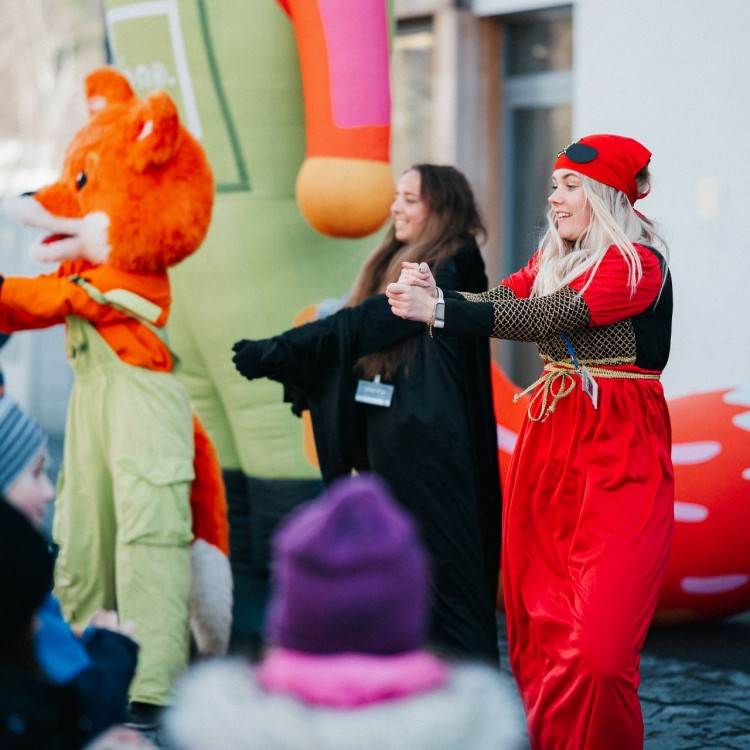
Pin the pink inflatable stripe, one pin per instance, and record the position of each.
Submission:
(358, 65)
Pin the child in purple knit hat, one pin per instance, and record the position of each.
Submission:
(350, 576)
(347, 663)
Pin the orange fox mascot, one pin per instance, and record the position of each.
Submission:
(140, 515)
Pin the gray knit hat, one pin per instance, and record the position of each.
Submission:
(21, 441)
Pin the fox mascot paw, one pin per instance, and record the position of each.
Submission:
(134, 198)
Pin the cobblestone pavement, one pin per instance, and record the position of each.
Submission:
(695, 686)
(687, 705)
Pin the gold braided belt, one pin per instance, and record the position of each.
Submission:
(558, 379)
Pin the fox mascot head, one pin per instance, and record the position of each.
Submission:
(136, 190)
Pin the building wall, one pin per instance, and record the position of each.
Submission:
(675, 74)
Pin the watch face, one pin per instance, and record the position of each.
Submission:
(440, 311)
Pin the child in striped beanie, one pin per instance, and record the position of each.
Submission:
(98, 663)
(23, 446)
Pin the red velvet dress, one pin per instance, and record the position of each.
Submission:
(587, 519)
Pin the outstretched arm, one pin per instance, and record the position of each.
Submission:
(43, 301)
(361, 330)
(527, 319)
(510, 313)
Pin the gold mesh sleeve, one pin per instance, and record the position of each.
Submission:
(536, 318)
(492, 295)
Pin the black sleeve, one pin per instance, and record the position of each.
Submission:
(378, 328)
(464, 318)
(103, 687)
(364, 329)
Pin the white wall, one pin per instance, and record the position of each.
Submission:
(675, 74)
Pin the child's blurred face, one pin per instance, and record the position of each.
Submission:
(32, 492)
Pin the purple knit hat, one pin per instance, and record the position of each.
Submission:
(349, 575)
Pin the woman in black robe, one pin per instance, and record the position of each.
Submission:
(385, 396)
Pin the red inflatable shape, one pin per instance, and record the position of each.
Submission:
(708, 576)
(508, 415)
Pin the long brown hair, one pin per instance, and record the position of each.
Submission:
(453, 218)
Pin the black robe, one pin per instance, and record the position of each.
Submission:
(436, 445)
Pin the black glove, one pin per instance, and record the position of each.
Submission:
(247, 358)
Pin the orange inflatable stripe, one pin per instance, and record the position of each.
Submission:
(307, 315)
(208, 501)
(323, 88)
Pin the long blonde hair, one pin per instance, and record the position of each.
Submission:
(614, 222)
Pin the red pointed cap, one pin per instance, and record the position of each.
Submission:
(610, 159)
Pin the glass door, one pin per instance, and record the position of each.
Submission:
(537, 113)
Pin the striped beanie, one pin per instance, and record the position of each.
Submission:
(21, 441)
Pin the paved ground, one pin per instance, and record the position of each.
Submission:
(695, 686)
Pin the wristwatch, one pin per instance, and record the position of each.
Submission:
(439, 310)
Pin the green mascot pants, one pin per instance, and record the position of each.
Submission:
(122, 516)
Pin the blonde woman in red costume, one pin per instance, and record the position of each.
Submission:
(587, 521)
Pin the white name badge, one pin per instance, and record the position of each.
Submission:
(374, 392)
(590, 386)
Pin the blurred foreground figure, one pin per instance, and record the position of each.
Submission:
(348, 665)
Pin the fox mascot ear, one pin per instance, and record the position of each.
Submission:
(155, 125)
(158, 132)
(106, 86)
